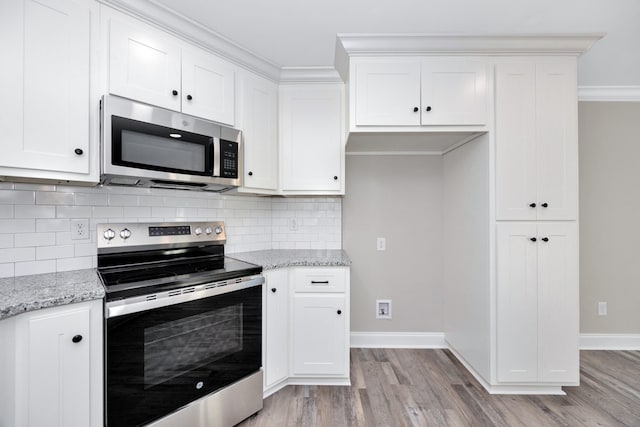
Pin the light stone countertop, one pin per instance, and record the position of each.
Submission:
(281, 258)
(27, 293)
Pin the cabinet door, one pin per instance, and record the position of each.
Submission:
(558, 302)
(208, 87)
(260, 132)
(319, 334)
(454, 92)
(515, 142)
(517, 295)
(144, 65)
(387, 94)
(312, 137)
(276, 338)
(55, 373)
(46, 63)
(557, 141)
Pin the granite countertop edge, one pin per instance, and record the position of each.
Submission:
(22, 294)
(283, 258)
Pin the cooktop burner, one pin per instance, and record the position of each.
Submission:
(149, 258)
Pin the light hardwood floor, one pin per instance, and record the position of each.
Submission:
(406, 387)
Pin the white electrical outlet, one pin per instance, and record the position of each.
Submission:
(79, 229)
(293, 224)
(383, 309)
(381, 244)
(602, 309)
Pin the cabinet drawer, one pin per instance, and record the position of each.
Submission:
(320, 279)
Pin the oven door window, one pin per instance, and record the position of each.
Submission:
(148, 146)
(160, 360)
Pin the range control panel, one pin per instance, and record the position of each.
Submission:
(119, 235)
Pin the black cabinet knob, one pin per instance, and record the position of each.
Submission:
(428, 108)
(545, 205)
(545, 239)
(76, 338)
(533, 239)
(339, 311)
(189, 97)
(78, 151)
(174, 92)
(273, 290)
(415, 109)
(250, 173)
(335, 178)
(532, 205)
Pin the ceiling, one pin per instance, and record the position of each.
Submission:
(298, 33)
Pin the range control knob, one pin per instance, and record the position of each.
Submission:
(208, 230)
(218, 229)
(125, 233)
(198, 231)
(109, 234)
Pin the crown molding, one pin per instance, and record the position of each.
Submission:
(466, 44)
(168, 20)
(309, 75)
(609, 93)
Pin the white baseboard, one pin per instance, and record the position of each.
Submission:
(609, 341)
(398, 340)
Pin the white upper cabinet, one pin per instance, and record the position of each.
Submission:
(259, 106)
(156, 68)
(537, 302)
(312, 138)
(427, 92)
(536, 141)
(47, 118)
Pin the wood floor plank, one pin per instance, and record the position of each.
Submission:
(417, 387)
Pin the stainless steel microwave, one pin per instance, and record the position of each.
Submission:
(146, 146)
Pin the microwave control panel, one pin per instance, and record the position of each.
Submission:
(228, 159)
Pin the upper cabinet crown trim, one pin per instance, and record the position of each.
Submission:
(196, 33)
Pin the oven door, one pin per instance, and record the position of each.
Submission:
(161, 359)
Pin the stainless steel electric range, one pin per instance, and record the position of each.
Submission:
(183, 327)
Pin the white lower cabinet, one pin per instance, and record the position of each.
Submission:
(57, 354)
(306, 326)
(537, 303)
(276, 333)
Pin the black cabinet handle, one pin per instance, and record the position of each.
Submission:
(533, 239)
(189, 97)
(532, 205)
(76, 338)
(273, 290)
(335, 177)
(174, 92)
(250, 173)
(415, 109)
(545, 239)
(545, 205)
(78, 151)
(319, 282)
(428, 108)
(339, 311)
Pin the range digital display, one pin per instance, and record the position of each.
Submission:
(172, 230)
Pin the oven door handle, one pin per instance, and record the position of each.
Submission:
(178, 296)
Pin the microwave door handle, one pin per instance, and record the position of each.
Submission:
(216, 156)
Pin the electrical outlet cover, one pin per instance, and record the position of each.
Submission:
(79, 229)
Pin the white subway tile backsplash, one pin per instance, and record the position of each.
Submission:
(23, 240)
(14, 197)
(55, 252)
(42, 242)
(17, 225)
(35, 267)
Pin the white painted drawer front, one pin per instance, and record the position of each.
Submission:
(321, 279)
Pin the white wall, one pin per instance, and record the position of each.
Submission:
(35, 221)
(398, 198)
(609, 147)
